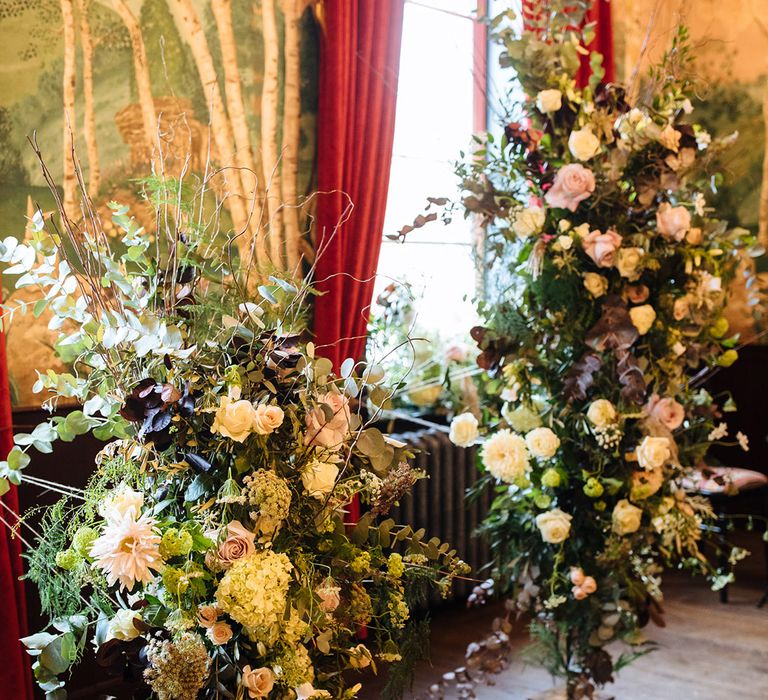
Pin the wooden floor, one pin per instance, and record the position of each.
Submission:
(708, 651)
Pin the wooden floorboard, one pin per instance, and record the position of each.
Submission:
(707, 651)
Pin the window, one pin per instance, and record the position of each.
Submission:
(440, 103)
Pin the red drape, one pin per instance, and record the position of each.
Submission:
(15, 677)
(359, 63)
(600, 12)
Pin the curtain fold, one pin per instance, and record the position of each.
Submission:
(359, 63)
(600, 13)
(15, 676)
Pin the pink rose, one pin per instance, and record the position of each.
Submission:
(456, 353)
(328, 422)
(573, 184)
(673, 222)
(239, 543)
(329, 597)
(637, 293)
(602, 247)
(667, 411)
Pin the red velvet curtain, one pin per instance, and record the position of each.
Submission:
(600, 12)
(15, 677)
(359, 64)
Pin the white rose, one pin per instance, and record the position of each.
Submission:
(117, 504)
(505, 455)
(319, 478)
(555, 525)
(642, 317)
(583, 144)
(601, 413)
(595, 284)
(549, 101)
(542, 442)
(464, 430)
(234, 419)
(628, 262)
(626, 517)
(267, 419)
(220, 633)
(653, 452)
(121, 626)
(565, 242)
(529, 221)
(581, 230)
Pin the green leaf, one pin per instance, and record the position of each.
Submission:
(17, 459)
(4, 486)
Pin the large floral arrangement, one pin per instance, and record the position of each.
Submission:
(208, 555)
(617, 271)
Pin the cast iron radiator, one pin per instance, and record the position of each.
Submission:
(439, 503)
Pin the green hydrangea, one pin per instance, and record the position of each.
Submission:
(175, 543)
(68, 559)
(550, 478)
(83, 540)
(175, 580)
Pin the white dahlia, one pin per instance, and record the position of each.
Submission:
(505, 455)
(128, 550)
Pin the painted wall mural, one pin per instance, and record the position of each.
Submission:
(159, 83)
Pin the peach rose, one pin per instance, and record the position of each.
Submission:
(267, 419)
(329, 597)
(680, 308)
(667, 411)
(576, 575)
(239, 543)
(602, 247)
(328, 428)
(258, 681)
(589, 585)
(673, 222)
(207, 615)
(220, 633)
(573, 184)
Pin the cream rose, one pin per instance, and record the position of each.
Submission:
(653, 452)
(121, 626)
(549, 101)
(672, 222)
(573, 184)
(505, 455)
(267, 419)
(642, 318)
(234, 419)
(219, 633)
(329, 597)
(601, 413)
(542, 442)
(258, 681)
(319, 478)
(554, 525)
(529, 221)
(602, 247)
(628, 262)
(645, 484)
(667, 411)
(239, 543)
(626, 517)
(207, 615)
(595, 284)
(583, 144)
(464, 430)
(328, 422)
